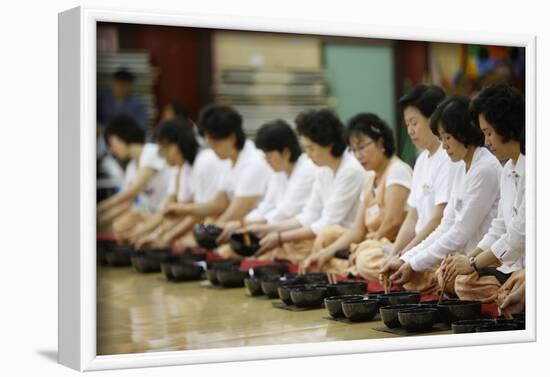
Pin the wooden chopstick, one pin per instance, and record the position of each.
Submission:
(246, 238)
(387, 285)
(442, 292)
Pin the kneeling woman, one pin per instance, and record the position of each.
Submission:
(145, 180)
(334, 195)
(381, 209)
(473, 202)
(499, 111)
(191, 182)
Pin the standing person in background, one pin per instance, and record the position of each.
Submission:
(145, 181)
(243, 183)
(473, 202)
(381, 208)
(336, 188)
(499, 111)
(119, 100)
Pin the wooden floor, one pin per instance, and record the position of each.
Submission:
(144, 313)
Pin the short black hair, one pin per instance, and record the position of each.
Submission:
(423, 97)
(125, 128)
(179, 109)
(453, 116)
(324, 128)
(276, 136)
(179, 132)
(220, 122)
(124, 74)
(504, 108)
(374, 127)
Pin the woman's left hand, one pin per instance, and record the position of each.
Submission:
(228, 229)
(456, 265)
(269, 242)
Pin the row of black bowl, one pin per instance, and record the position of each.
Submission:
(305, 291)
(489, 325)
(360, 308)
(226, 273)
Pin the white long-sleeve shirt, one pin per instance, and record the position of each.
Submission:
(471, 208)
(506, 236)
(334, 198)
(286, 196)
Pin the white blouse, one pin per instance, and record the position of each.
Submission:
(506, 237)
(471, 208)
(334, 197)
(248, 176)
(432, 182)
(198, 182)
(286, 196)
(153, 196)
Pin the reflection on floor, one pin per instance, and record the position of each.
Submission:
(144, 313)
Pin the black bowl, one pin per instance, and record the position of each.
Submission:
(166, 269)
(497, 327)
(388, 314)
(149, 261)
(432, 304)
(253, 286)
(418, 319)
(214, 266)
(458, 310)
(308, 297)
(206, 235)
(104, 247)
(186, 271)
(470, 325)
(520, 316)
(399, 298)
(315, 277)
(276, 269)
(347, 288)
(271, 284)
(194, 256)
(119, 256)
(360, 310)
(520, 323)
(212, 276)
(231, 277)
(236, 241)
(334, 304)
(285, 288)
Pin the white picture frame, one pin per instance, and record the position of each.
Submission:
(77, 127)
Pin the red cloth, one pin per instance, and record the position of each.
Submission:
(105, 237)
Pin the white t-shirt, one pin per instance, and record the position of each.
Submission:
(198, 182)
(471, 208)
(248, 176)
(153, 196)
(431, 184)
(506, 237)
(334, 197)
(286, 196)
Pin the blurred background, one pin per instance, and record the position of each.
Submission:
(275, 75)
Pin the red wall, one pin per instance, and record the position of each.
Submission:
(179, 55)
